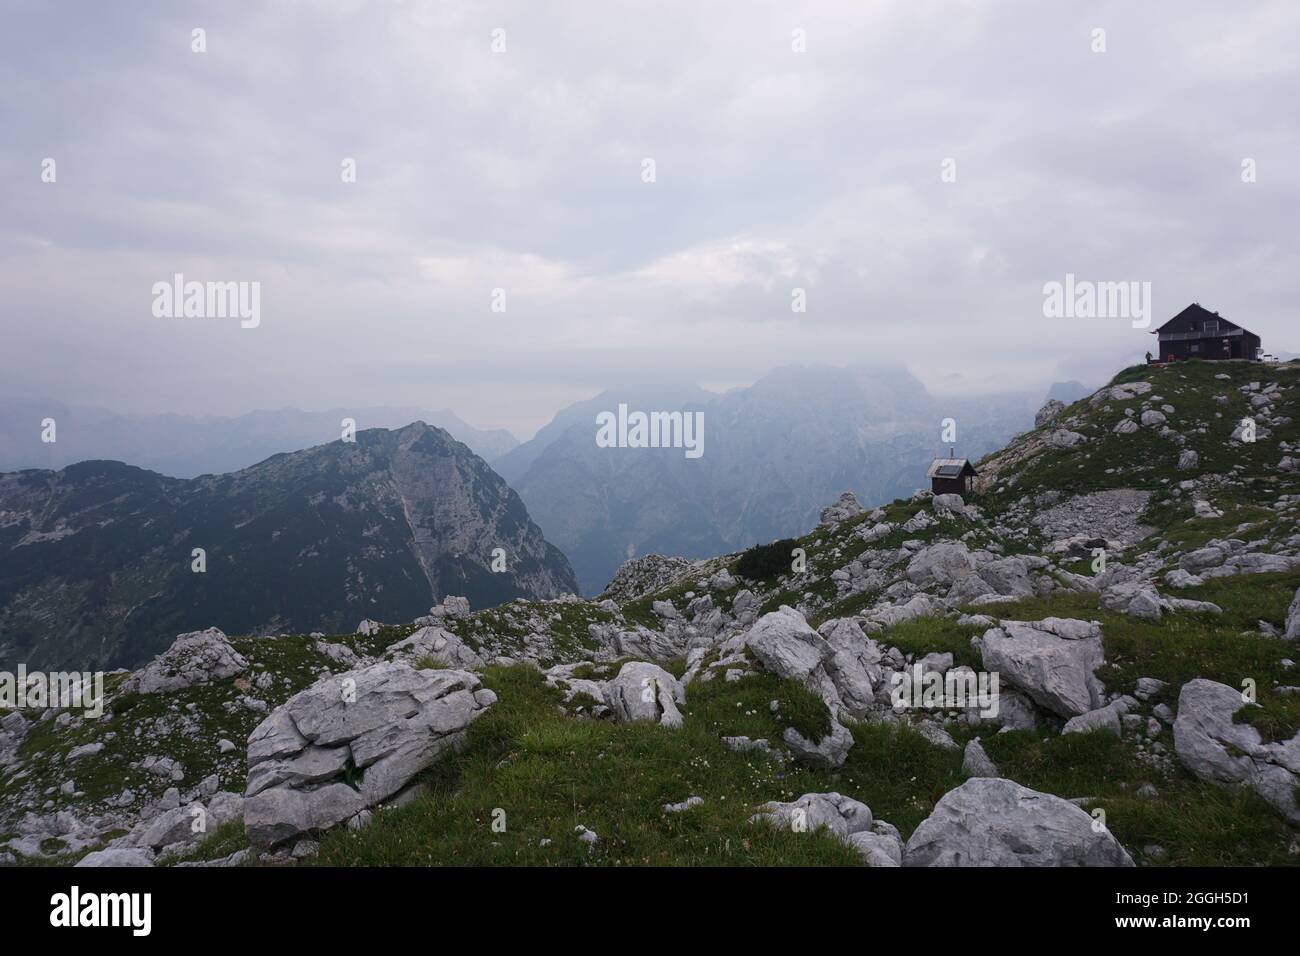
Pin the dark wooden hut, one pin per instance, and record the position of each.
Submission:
(951, 476)
(1197, 333)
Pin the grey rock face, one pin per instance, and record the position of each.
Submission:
(786, 646)
(1201, 558)
(841, 816)
(639, 576)
(194, 658)
(996, 822)
(644, 691)
(1213, 747)
(1135, 599)
(975, 762)
(945, 505)
(846, 507)
(440, 645)
(831, 751)
(124, 856)
(1050, 410)
(351, 741)
(940, 564)
(1053, 661)
(1102, 719)
(1178, 578)
(881, 847)
(1064, 438)
(854, 666)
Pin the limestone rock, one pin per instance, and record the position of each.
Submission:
(1053, 661)
(975, 762)
(995, 822)
(846, 507)
(351, 741)
(645, 691)
(1213, 747)
(194, 658)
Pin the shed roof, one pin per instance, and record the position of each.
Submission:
(1198, 314)
(950, 468)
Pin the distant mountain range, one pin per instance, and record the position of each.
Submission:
(774, 454)
(181, 446)
(96, 560)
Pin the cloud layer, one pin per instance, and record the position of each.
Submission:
(522, 170)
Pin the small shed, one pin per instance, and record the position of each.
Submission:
(951, 476)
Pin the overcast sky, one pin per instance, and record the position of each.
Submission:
(523, 170)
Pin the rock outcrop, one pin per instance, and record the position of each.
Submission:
(193, 658)
(995, 822)
(1214, 747)
(350, 742)
(1054, 661)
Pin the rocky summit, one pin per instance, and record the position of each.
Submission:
(101, 563)
(1090, 660)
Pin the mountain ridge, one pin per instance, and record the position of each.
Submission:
(385, 525)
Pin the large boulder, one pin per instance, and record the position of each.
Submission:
(1214, 747)
(1008, 575)
(940, 564)
(844, 818)
(989, 821)
(1053, 661)
(786, 646)
(919, 605)
(829, 751)
(439, 645)
(841, 816)
(644, 691)
(854, 666)
(351, 741)
(1134, 598)
(194, 658)
(641, 642)
(948, 505)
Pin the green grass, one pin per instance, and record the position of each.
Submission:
(222, 842)
(550, 773)
(1181, 647)
(1142, 459)
(925, 635)
(1198, 823)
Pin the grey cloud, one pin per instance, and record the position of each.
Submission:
(521, 171)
